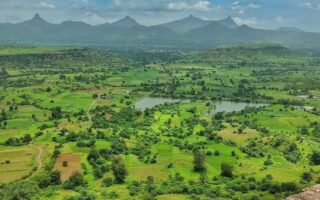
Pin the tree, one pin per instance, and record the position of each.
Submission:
(75, 180)
(119, 169)
(93, 155)
(65, 163)
(289, 187)
(56, 113)
(306, 177)
(25, 190)
(84, 195)
(12, 141)
(26, 139)
(304, 130)
(315, 158)
(55, 177)
(46, 179)
(219, 116)
(226, 170)
(107, 182)
(199, 158)
(95, 96)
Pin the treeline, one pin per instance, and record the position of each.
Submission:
(62, 59)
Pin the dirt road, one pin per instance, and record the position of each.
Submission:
(38, 159)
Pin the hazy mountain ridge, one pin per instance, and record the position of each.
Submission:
(190, 32)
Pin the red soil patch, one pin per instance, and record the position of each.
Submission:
(73, 165)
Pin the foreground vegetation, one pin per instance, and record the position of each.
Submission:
(71, 127)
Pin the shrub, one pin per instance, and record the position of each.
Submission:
(65, 163)
(315, 158)
(107, 182)
(226, 170)
(306, 177)
(75, 180)
(268, 162)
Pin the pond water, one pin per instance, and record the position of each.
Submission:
(228, 106)
(307, 97)
(303, 96)
(220, 106)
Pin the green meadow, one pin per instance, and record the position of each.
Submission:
(81, 110)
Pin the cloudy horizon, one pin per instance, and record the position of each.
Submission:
(267, 15)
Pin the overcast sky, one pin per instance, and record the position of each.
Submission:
(303, 14)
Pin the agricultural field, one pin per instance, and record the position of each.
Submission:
(16, 163)
(227, 123)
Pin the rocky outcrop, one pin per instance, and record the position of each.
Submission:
(312, 193)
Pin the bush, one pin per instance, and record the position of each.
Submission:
(315, 158)
(65, 164)
(75, 180)
(107, 182)
(268, 162)
(226, 170)
(289, 187)
(306, 177)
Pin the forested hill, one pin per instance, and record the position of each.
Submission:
(263, 55)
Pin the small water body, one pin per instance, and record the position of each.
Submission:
(307, 97)
(220, 106)
(228, 106)
(303, 96)
(150, 102)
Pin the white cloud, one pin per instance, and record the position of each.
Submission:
(248, 21)
(94, 18)
(280, 19)
(160, 5)
(45, 5)
(306, 5)
(235, 3)
(241, 9)
(199, 5)
(254, 6)
(309, 5)
(237, 8)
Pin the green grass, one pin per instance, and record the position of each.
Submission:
(75, 101)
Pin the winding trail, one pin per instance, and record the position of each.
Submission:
(90, 107)
(38, 159)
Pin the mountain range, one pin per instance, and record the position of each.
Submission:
(190, 32)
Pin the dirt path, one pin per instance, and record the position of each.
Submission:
(38, 159)
(90, 107)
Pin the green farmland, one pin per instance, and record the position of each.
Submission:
(214, 124)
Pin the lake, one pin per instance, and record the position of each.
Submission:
(220, 106)
(228, 106)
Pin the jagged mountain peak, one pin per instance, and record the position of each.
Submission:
(191, 18)
(36, 20)
(228, 22)
(126, 22)
(37, 17)
(186, 24)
